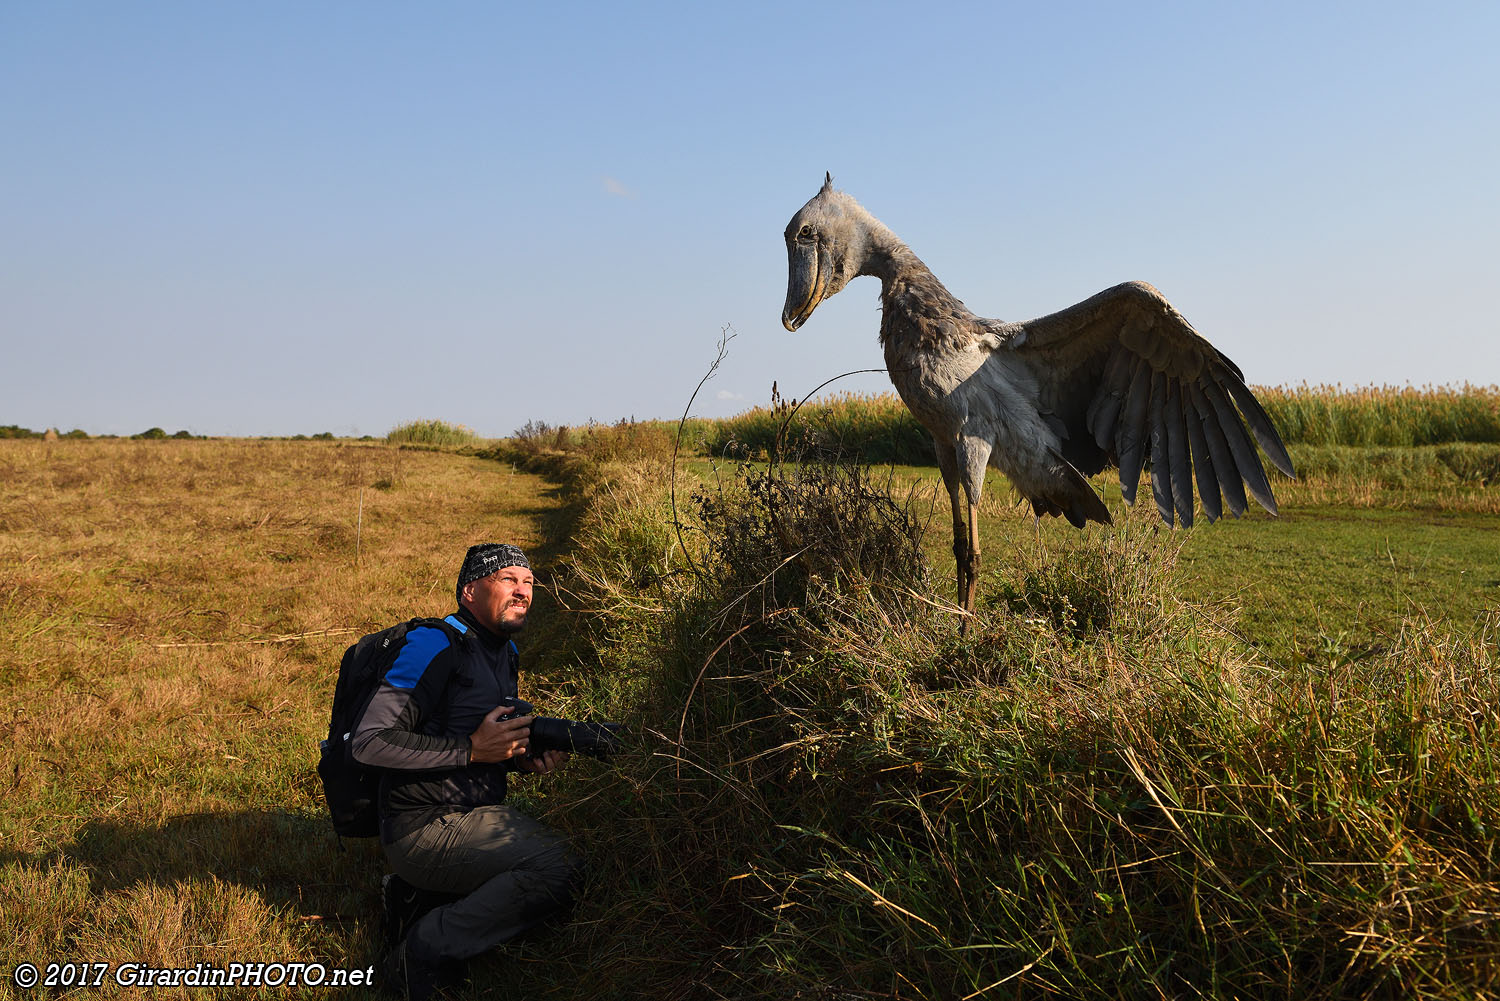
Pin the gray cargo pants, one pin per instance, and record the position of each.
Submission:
(513, 871)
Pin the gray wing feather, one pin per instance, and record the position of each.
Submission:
(1218, 449)
(1177, 452)
(1161, 490)
(1260, 425)
(1113, 388)
(1203, 463)
(1131, 439)
(1241, 447)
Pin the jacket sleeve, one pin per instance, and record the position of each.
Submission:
(388, 734)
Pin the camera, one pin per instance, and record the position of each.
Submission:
(598, 740)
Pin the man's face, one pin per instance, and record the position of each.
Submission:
(501, 600)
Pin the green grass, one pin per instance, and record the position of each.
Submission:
(1348, 579)
(1316, 575)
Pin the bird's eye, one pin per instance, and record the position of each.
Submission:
(805, 233)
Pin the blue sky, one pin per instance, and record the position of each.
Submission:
(275, 218)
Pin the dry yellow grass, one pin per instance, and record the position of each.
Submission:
(172, 616)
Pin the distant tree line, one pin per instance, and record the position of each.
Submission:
(150, 434)
(16, 431)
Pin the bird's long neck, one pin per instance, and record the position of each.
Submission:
(886, 257)
(910, 294)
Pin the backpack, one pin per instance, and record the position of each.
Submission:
(350, 788)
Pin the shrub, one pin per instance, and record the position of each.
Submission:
(429, 432)
(535, 437)
(627, 441)
(820, 521)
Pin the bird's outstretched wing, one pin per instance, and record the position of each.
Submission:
(1130, 379)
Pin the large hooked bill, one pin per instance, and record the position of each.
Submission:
(806, 284)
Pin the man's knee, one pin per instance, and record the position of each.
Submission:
(563, 871)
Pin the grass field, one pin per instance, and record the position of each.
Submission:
(1344, 564)
(810, 805)
(173, 615)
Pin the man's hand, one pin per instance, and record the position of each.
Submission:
(543, 764)
(500, 736)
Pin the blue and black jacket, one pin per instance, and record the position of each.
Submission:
(418, 722)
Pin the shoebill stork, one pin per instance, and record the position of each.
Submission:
(1116, 380)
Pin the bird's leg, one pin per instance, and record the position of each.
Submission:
(970, 456)
(962, 464)
(961, 557)
(971, 572)
(961, 560)
(948, 464)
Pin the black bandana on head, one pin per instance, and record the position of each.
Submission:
(484, 559)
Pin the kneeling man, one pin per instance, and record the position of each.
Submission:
(469, 871)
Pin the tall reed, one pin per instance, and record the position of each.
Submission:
(883, 430)
(1384, 415)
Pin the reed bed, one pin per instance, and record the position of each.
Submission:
(883, 431)
(1384, 415)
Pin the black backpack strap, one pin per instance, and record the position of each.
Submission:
(389, 657)
(457, 633)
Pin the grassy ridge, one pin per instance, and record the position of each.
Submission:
(1101, 792)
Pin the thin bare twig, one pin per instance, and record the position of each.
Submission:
(726, 334)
